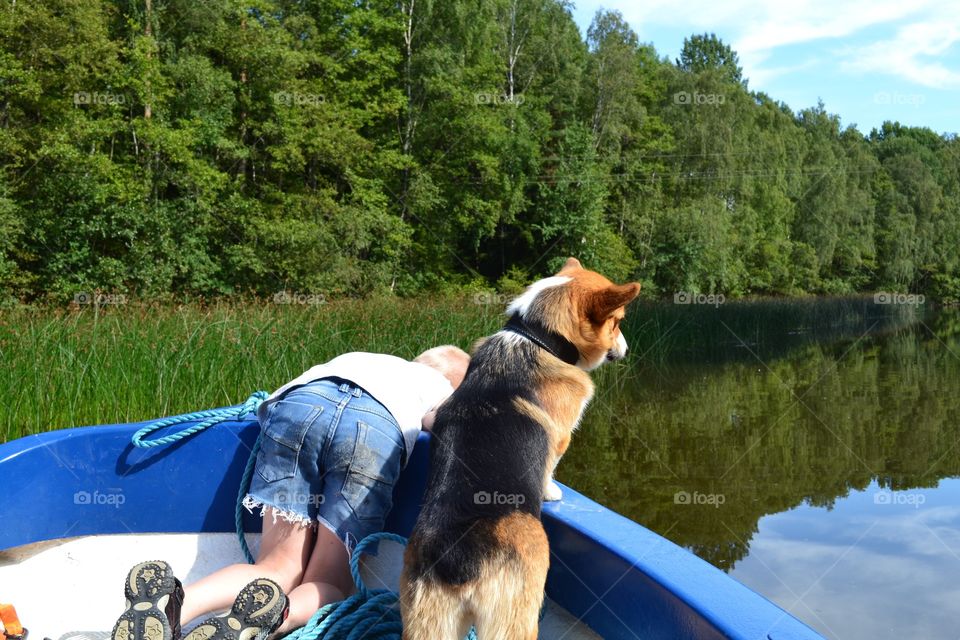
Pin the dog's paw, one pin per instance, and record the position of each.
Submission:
(552, 492)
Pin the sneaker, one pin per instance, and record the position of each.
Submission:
(259, 610)
(154, 596)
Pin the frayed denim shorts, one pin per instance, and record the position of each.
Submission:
(330, 454)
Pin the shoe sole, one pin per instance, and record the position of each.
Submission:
(258, 609)
(148, 588)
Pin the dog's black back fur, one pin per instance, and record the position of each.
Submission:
(479, 431)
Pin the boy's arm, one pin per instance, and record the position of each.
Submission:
(428, 418)
(427, 421)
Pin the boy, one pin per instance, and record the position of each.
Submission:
(333, 442)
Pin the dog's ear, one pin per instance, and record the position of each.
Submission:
(605, 301)
(571, 263)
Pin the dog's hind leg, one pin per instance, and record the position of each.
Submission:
(509, 593)
(432, 611)
(508, 607)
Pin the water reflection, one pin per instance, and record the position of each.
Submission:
(707, 452)
(869, 568)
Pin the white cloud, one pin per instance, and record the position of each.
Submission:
(762, 75)
(910, 53)
(794, 23)
(756, 28)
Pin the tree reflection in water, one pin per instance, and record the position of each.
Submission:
(723, 415)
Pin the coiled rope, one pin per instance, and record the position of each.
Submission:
(371, 614)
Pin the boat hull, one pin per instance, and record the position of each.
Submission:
(621, 579)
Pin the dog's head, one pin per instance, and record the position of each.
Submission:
(583, 307)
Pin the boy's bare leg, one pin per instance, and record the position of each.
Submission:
(284, 550)
(327, 579)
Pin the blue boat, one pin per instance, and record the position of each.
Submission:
(85, 504)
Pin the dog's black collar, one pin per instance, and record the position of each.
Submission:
(551, 341)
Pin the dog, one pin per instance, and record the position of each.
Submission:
(478, 554)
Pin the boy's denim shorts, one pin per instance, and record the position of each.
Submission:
(330, 454)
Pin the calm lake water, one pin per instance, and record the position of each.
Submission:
(808, 449)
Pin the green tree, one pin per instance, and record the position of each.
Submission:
(706, 52)
(167, 147)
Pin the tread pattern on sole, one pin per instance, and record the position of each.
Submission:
(150, 589)
(258, 610)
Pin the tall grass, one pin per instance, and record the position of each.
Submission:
(82, 366)
(63, 368)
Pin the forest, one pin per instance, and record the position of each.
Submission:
(171, 149)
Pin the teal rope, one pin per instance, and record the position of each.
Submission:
(207, 419)
(371, 614)
(238, 510)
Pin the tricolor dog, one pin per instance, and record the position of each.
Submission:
(478, 554)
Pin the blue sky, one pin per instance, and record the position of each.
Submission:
(869, 61)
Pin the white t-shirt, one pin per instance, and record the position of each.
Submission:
(406, 389)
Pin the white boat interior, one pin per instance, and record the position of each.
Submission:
(73, 587)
